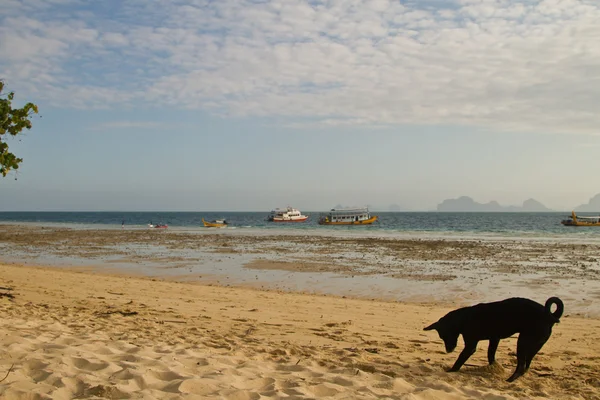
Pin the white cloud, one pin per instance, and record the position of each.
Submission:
(128, 125)
(21, 7)
(500, 64)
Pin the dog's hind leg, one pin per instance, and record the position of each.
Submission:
(527, 347)
(470, 347)
(537, 346)
(492, 350)
(522, 352)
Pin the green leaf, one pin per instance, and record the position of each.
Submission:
(12, 122)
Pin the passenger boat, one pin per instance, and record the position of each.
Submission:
(288, 214)
(217, 223)
(574, 220)
(348, 216)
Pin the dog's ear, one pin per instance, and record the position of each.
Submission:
(431, 327)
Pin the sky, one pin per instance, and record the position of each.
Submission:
(248, 105)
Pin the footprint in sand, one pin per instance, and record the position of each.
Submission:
(54, 380)
(240, 395)
(278, 352)
(166, 381)
(338, 380)
(35, 370)
(98, 349)
(64, 341)
(123, 375)
(53, 346)
(86, 365)
(71, 386)
(290, 368)
(201, 387)
(262, 384)
(12, 394)
(323, 390)
(164, 375)
(105, 392)
(293, 393)
(127, 358)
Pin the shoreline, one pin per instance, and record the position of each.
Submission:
(570, 235)
(72, 333)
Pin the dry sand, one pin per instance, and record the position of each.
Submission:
(77, 334)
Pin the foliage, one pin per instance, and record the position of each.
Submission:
(12, 122)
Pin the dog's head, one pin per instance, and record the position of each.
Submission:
(446, 332)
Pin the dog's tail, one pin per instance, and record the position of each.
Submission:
(560, 307)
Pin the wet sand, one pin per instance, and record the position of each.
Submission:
(451, 271)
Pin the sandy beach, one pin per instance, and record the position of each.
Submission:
(75, 334)
(78, 328)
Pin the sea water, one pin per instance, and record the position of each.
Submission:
(461, 223)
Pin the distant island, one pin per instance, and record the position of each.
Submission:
(592, 206)
(467, 204)
(396, 208)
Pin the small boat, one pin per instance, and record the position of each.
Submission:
(574, 220)
(287, 214)
(348, 216)
(216, 223)
(158, 226)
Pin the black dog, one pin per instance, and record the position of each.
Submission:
(499, 320)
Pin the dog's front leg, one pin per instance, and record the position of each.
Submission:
(470, 347)
(492, 350)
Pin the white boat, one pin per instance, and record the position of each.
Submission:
(158, 226)
(288, 214)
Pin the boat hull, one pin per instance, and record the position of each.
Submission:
(302, 219)
(579, 223)
(363, 222)
(208, 224)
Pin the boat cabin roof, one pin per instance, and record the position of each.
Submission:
(361, 210)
